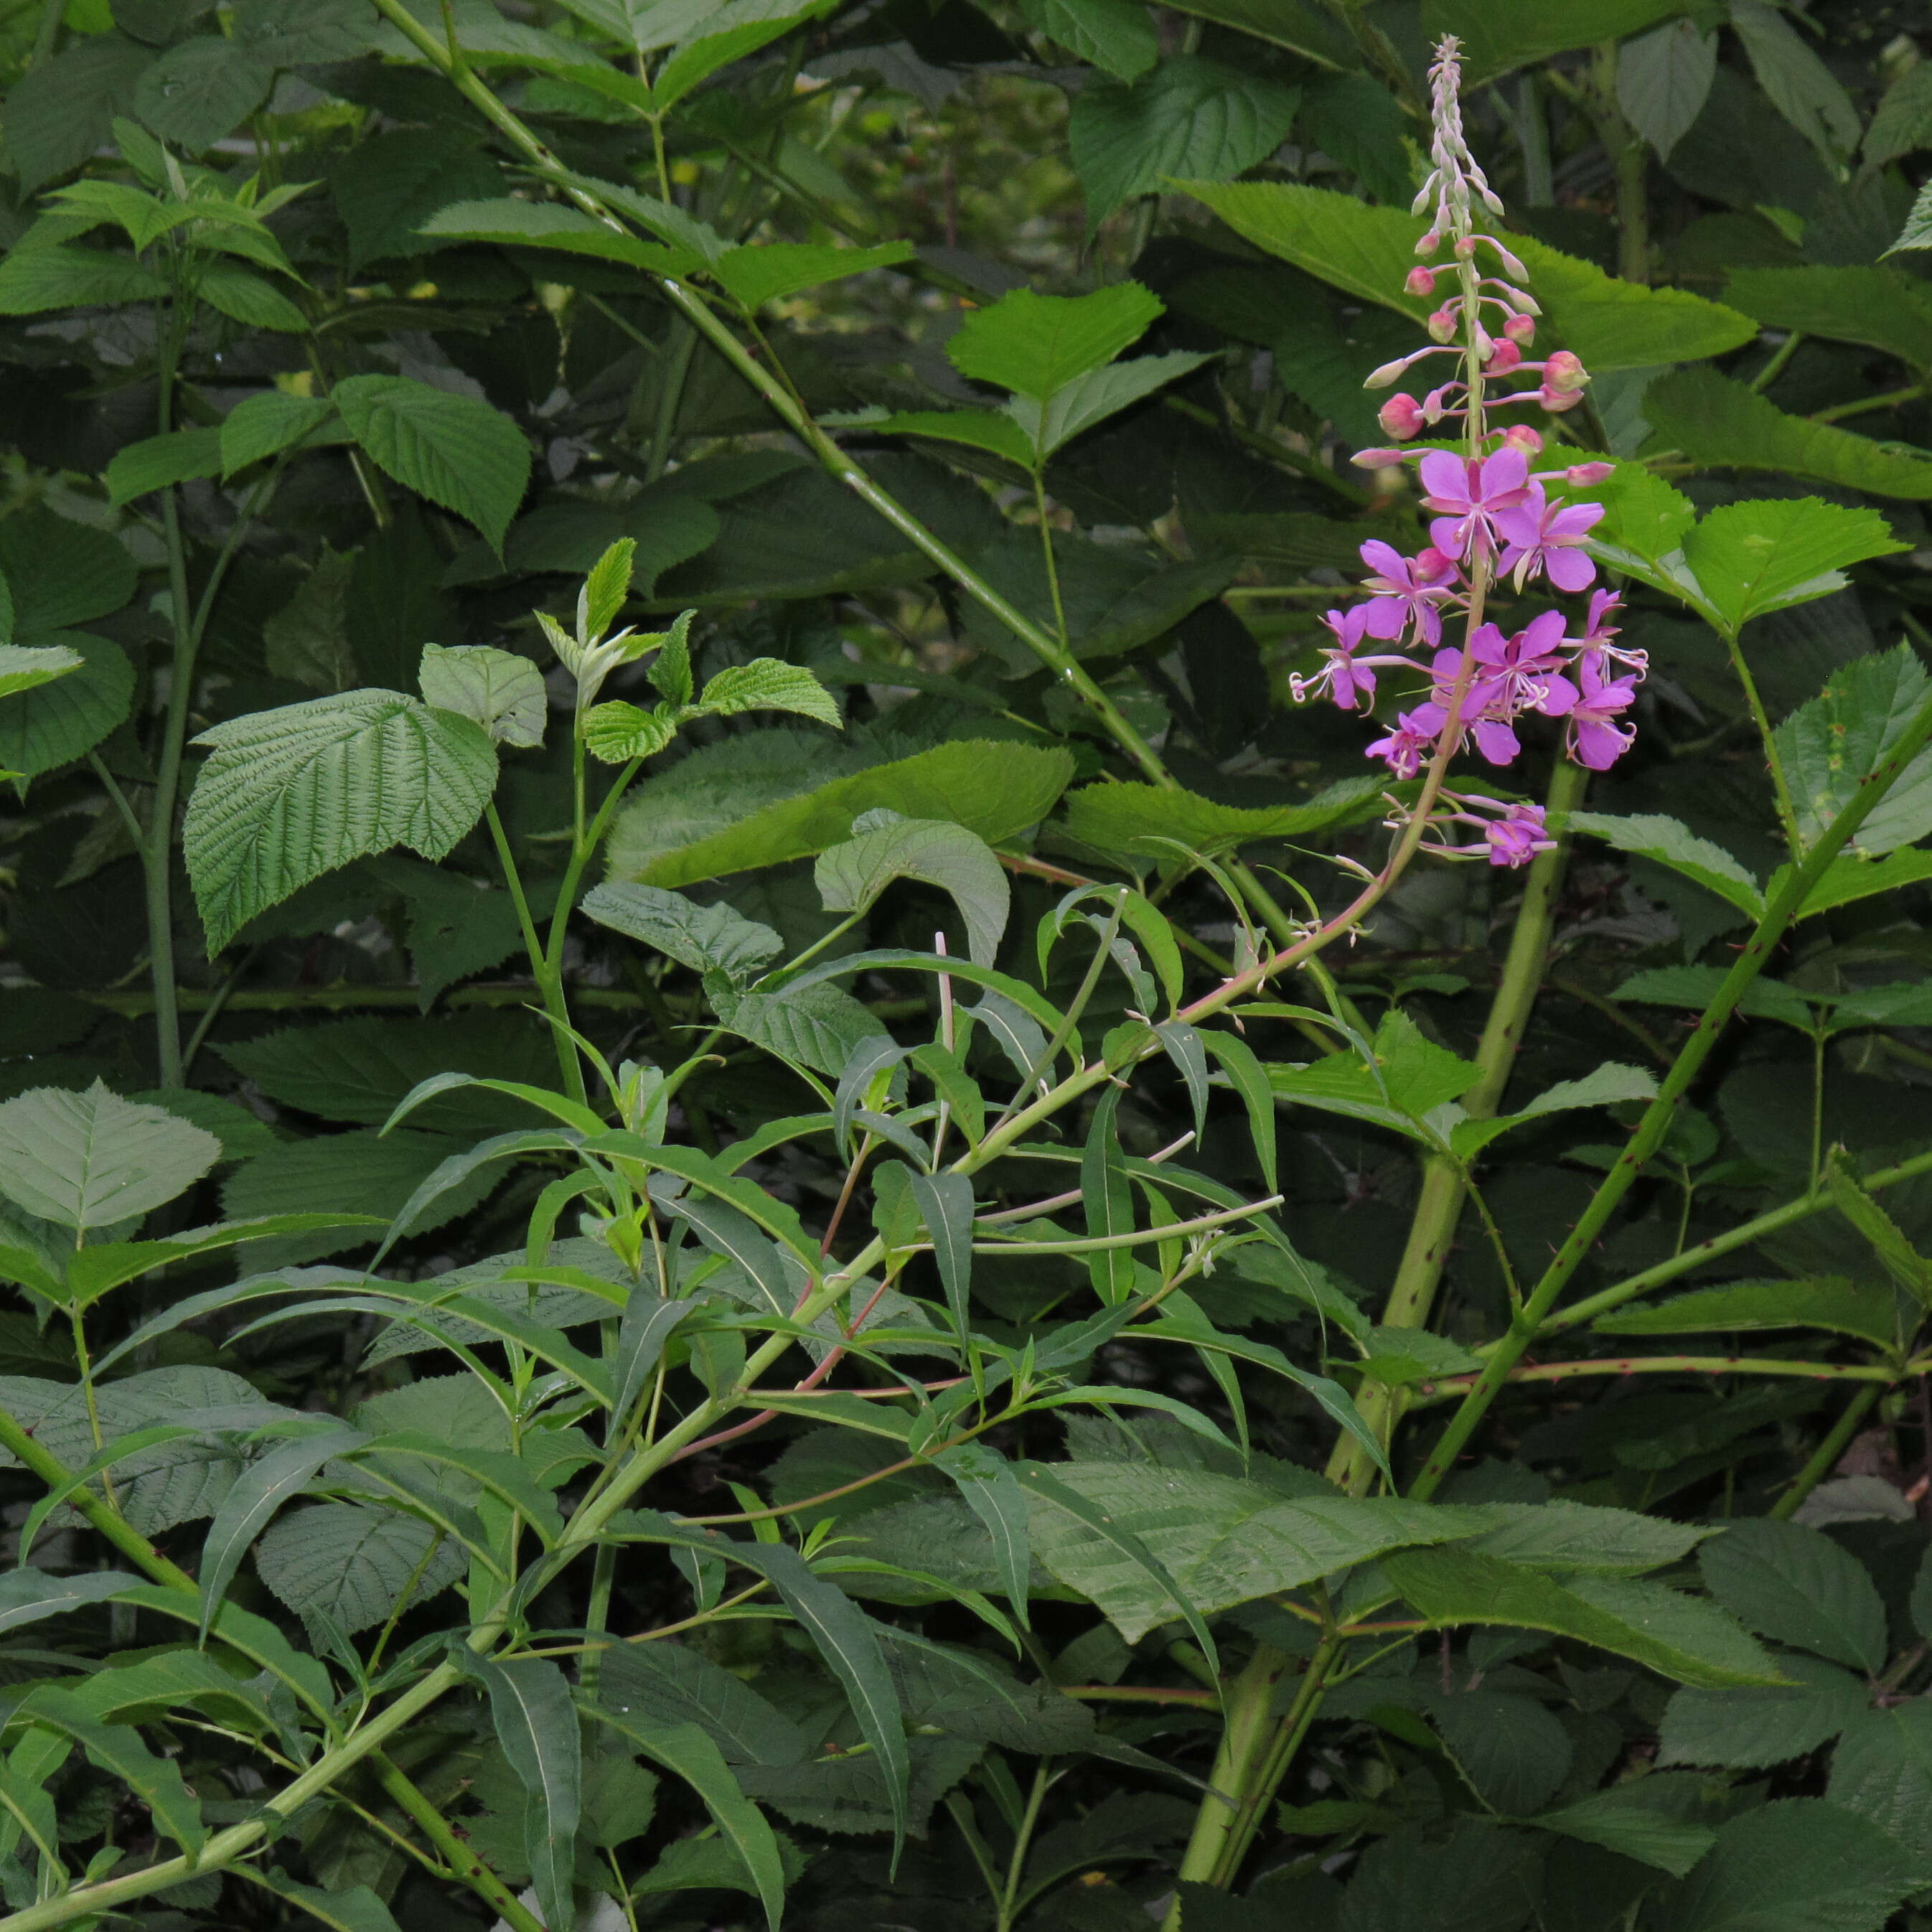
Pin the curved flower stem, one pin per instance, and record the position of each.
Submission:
(1528, 1325)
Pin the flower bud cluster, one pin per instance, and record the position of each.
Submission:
(1493, 519)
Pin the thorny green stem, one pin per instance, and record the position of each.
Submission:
(1439, 1206)
(462, 1861)
(1528, 1325)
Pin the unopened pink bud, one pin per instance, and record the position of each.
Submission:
(1444, 322)
(1380, 459)
(1401, 417)
(1565, 372)
(1389, 372)
(1430, 243)
(1584, 474)
(1520, 328)
(1504, 356)
(1420, 281)
(1511, 266)
(1520, 436)
(1464, 250)
(1557, 400)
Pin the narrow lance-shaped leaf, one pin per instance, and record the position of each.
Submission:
(986, 1480)
(946, 1205)
(536, 1724)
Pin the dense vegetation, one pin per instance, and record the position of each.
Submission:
(751, 1177)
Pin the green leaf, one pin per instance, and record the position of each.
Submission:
(352, 1563)
(1609, 1083)
(453, 449)
(87, 1160)
(995, 788)
(816, 1026)
(663, 1686)
(1751, 559)
(61, 110)
(1644, 525)
(1649, 1819)
(707, 938)
(1077, 406)
(1221, 1541)
(57, 721)
(245, 297)
(543, 224)
(160, 460)
(1697, 987)
(885, 847)
(1669, 842)
(1513, 1752)
(1115, 35)
(258, 1493)
(992, 429)
(293, 794)
(1663, 79)
(687, 1752)
(618, 732)
(1721, 424)
(1797, 1864)
(501, 691)
(1881, 1770)
(1797, 1587)
(1797, 83)
(1191, 117)
(35, 279)
(770, 271)
(536, 1724)
(1148, 821)
(768, 684)
(118, 1750)
(1300, 25)
(25, 667)
(265, 424)
(1499, 35)
(1903, 124)
(1850, 878)
(1368, 251)
(1846, 1307)
(357, 1909)
(1828, 746)
(1678, 1636)
(28, 1595)
(1908, 1268)
(1411, 1077)
(1577, 1537)
(1880, 308)
(1755, 1729)
(198, 91)
(606, 586)
(1035, 344)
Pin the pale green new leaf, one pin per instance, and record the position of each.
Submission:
(501, 691)
(454, 450)
(1092, 398)
(606, 586)
(769, 684)
(87, 1160)
(1034, 344)
(885, 847)
(34, 280)
(618, 731)
(291, 794)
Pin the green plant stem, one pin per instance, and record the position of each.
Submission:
(1787, 811)
(1780, 356)
(549, 987)
(1445, 1388)
(1010, 1902)
(1527, 1325)
(673, 376)
(1630, 156)
(1439, 1208)
(1820, 1462)
(462, 1860)
(784, 405)
(1890, 399)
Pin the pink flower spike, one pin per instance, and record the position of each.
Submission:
(1412, 740)
(1469, 496)
(1518, 836)
(1542, 536)
(1596, 739)
(1408, 593)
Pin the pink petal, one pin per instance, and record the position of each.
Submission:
(1445, 476)
(1569, 569)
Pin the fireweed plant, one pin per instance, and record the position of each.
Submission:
(798, 1403)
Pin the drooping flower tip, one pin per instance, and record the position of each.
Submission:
(1389, 372)
(1515, 839)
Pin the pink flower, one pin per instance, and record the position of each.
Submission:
(1469, 495)
(1543, 538)
(1412, 740)
(1595, 739)
(1342, 677)
(1408, 592)
(1527, 669)
(1485, 711)
(1516, 837)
